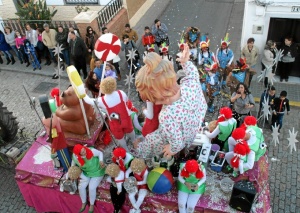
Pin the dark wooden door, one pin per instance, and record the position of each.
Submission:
(281, 27)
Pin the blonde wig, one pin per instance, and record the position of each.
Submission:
(74, 172)
(108, 85)
(156, 80)
(112, 170)
(212, 125)
(138, 165)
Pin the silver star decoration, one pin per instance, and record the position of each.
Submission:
(270, 76)
(293, 140)
(58, 70)
(262, 75)
(275, 134)
(129, 79)
(131, 54)
(278, 56)
(265, 109)
(58, 49)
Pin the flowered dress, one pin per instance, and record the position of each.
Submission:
(180, 121)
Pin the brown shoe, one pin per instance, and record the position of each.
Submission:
(119, 77)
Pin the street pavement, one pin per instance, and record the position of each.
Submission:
(215, 17)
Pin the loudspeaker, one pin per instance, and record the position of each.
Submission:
(44, 102)
(242, 196)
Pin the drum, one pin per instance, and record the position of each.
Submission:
(130, 185)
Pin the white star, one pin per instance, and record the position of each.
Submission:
(58, 49)
(131, 54)
(262, 75)
(275, 134)
(278, 56)
(129, 79)
(270, 76)
(293, 140)
(265, 109)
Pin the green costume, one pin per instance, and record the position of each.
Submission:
(191, 179)
(91, 167)
(225, 132)
(255, 147)
(137, 132)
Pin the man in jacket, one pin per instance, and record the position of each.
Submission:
(160, 31)
(78, 53)
(131, 33)
(61, 38)
(289, 53)
(49, 40)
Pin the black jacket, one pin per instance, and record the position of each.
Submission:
(78, 47)
(292, 49)
(277, 103)
(61, 39)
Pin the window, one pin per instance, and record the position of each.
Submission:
(82, 1)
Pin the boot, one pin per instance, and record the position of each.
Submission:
(1, 60)
(12, 60)
(28, 64)
(119, 77)
(8, 61)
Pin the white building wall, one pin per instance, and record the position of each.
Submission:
(7, 9)
(259, 16)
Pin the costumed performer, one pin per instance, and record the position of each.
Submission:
(205, 56)
(117, 191)
(192, 38)
(184, 106)
(122, 158)
(242, 157)
(225, 125)
(224, 56)
(140, 172)
(191, 185)
(212, 85)
(90, 161)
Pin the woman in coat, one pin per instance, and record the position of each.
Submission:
(5, 48)
(268, 60)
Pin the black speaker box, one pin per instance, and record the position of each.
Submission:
(45, 106)
(242, 196)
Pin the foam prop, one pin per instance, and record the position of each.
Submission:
(160, 180)
(265, 110)
(293, 140)
(57, 51)
(79, 89)
(275, 134)
(107, 47)
(131, 55)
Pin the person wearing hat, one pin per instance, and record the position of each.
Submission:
(132, 34)
(191, 185)
(205, 57)
(164, 50)
(212, 85)
(226, 124)
(90, 161)
(160, 31)
(122, 158)
(49, 40)
(279, 106)
(179, 54)
(192, 38)
(224, 56)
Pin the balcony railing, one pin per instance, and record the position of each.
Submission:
(107, 13)
(19, 25)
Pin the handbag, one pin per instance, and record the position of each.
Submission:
(70, 185)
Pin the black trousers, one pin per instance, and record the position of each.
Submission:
(80, 64)
(285, 69)
(117, 67)
(117, 200)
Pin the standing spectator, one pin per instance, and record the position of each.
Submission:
(127, 45)
(98, 69)
(78, 53)
(32, 36)
(41, 49)
(10, 39)
(90, 40)
(20, 46)
(243, 102)
(132, 34)
(148, 38)
(268, 60)
(61, 39)
(30, 51)
(160, 31)
(250, 53)
(5, 48)
(110, 71)
(288, 59)
(278, 108)
(268, 94)
(49, 41)
(75, 31)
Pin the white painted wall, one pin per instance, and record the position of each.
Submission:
(55, 2)
(259, 15)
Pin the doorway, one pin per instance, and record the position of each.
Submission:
(281, 27)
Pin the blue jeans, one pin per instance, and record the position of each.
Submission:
(7, 54)
(66, 56)
(278, 118)
(18, 53)
(52, 55)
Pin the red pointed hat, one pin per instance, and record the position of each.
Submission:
(250, 121)
(238, 133)
(119, 152)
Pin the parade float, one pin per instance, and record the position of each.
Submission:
(71, 118)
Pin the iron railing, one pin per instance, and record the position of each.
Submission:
(107, 13)
(19, 25)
